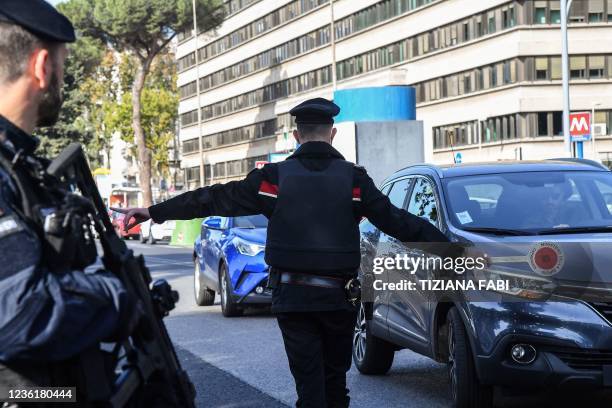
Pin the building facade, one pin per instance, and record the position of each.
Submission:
(487, 75)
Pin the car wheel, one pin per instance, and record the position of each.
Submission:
(229, 308)
(203, 295)
(466, 389)
(372, 355)
(152, 240)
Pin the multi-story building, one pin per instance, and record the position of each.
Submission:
(487, 75)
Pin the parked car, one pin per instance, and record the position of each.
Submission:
(229, 259)
(516, 341)
(117, 220)
(152, 232)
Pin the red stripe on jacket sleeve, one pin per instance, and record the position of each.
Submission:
(356, 194)
(267, 188)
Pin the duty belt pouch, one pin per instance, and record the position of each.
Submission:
(274, 277)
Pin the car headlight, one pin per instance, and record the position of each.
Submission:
(248, 248)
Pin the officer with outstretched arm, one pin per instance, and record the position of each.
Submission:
(314, 201)
(49, 312)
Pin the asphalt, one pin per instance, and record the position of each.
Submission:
(240, 362)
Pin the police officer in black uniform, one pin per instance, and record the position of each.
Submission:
(49, 311)
(314, 201)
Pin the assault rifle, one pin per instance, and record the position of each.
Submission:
(146, 370)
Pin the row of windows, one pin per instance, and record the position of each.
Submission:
(510, 72)
(382, 11)
(269, 93)
(581, 67)
(507, 127)
(551, 123)
(475, 26)
(377, 13)
(241, 134)
(274, 19)
(282, 123)
(231, 7)
(592, 11)
(265, 59)
(233, 168)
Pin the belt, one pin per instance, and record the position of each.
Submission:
(294, 278)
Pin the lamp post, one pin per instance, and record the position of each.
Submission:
(197, 62)
(565, 8)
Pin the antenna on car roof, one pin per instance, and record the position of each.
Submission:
(451, 137)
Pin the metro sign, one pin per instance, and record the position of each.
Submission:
(580, 126)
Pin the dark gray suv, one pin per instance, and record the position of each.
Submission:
(525, 338)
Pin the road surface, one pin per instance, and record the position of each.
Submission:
(240, 362)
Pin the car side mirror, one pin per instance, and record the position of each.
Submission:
(213, 223)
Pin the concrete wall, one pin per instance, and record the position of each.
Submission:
(385, 147)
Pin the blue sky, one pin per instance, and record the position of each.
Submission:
(54, 2)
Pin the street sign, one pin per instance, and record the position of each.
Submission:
(260, 164)
(580, 126)
(458, 158)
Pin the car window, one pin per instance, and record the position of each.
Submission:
(605, 189)
(423, 201)
(251, 221)
(385, 189)
(398, 192)
(531, 201)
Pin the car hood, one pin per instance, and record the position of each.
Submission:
(586, 259)
(255, 235)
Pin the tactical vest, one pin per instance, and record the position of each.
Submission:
(313, 226)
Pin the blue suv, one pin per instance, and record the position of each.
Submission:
(228, 259)
(526, 338)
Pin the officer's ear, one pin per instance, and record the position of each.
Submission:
(333, 134)
(41, 68)
(296, 136)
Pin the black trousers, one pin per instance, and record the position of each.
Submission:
(319, 346)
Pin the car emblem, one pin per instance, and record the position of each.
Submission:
(546, 258)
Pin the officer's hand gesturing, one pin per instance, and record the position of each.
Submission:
(138, 214)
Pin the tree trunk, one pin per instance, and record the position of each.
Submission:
(144, 155)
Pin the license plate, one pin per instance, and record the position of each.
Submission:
(607, 376)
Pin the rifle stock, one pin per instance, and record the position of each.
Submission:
(151, 354)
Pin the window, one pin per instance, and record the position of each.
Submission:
(596, 11)
(423, 201)
(578, 67)
(597, 65)
(555, 12)
(540, 12)
(541, 65)
(557, 122)
(555, 68)
(398, 192)
(542, 124)
(508, 18)
(491, 20)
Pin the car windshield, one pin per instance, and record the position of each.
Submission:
(252, 221)
(531, 201)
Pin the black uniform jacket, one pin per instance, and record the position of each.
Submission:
(252, 196)
(45, 316)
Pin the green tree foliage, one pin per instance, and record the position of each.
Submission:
(159, 109)
(142, 28)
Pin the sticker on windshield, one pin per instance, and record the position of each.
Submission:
(464, 217)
